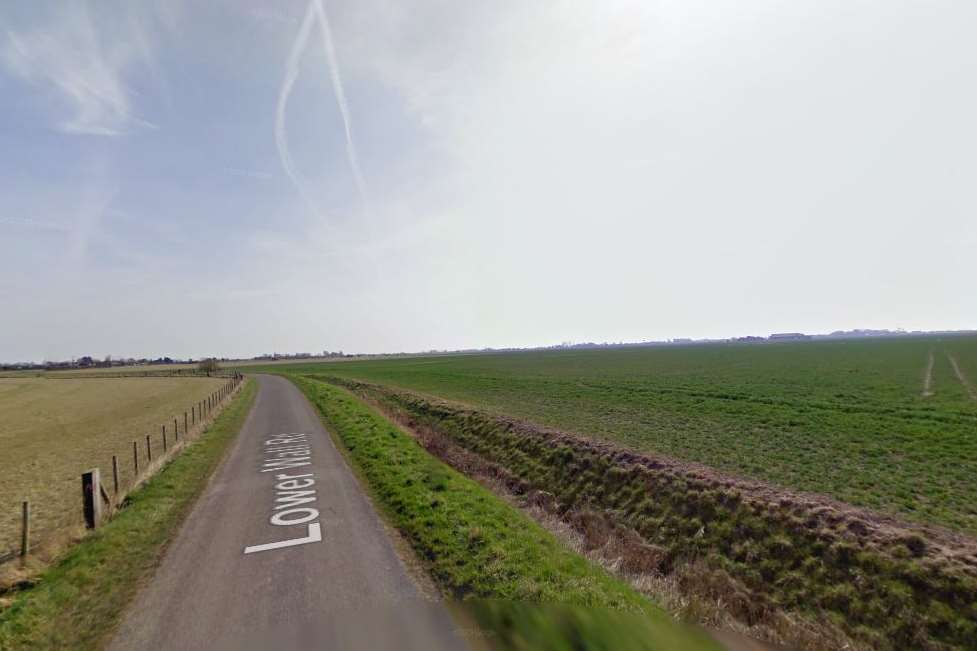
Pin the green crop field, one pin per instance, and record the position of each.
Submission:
(854, 419)
(51, 430)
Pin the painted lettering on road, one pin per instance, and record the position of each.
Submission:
(295, 494)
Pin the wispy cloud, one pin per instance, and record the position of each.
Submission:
(92, 208)
(251, 174)
(32, 224)
(85, 61)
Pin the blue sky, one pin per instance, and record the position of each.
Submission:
(530, 173)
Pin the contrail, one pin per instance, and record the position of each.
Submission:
(337, 85)
(291, 74)
(315, 11)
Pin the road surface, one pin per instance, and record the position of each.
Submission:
(283, 550)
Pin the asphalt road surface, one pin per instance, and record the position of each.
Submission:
(284, 551)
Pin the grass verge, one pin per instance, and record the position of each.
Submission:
(482, 550)
(77, 602)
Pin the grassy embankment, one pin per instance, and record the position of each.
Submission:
(53, 430)
(842, 418)
(762, 552)
(478, 547)
(76, 603)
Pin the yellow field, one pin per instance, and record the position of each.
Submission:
(51, 430)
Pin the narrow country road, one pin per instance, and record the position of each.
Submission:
(283, 550)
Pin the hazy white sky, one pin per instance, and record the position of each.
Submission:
(231, 178)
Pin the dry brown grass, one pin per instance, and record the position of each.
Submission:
(53, 430)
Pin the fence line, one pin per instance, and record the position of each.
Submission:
(97, 505)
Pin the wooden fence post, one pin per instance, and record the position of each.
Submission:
(91, 493)
(193, 414)
(149, 449)
(25, 530)
(176, 430)
(186, 427)
(135, 461)
(115, 473)
(164, 440)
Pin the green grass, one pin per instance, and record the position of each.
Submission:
(77, 602)
(477, 547)
(762, 556)
(843, 418)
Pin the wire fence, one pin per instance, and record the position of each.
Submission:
(126, 471)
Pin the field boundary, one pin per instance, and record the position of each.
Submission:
(106, 495)
(145, 374)
(76, 602)
(767, 550)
